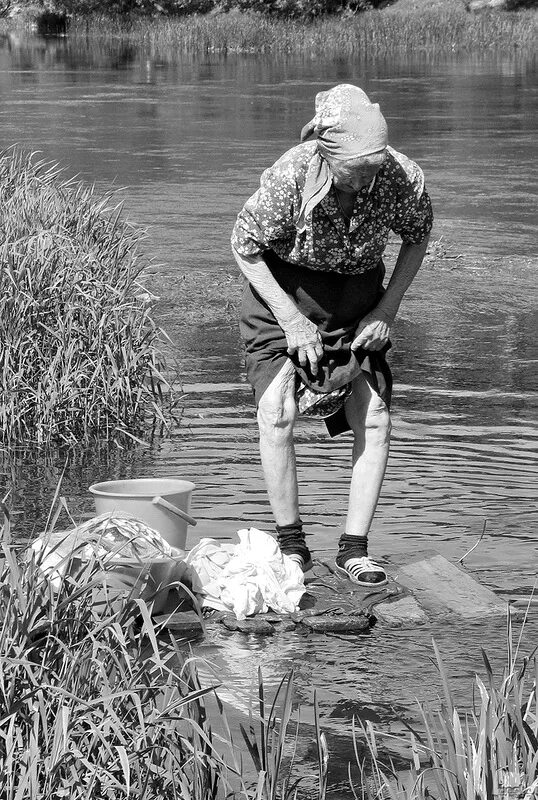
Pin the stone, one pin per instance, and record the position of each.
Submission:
(343, 623)
(249, 625)
(400, 613)
(442, 588)
(284, 625)
(181, 622)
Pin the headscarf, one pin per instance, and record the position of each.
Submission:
(348, 126)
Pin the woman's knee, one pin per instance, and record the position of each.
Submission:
(277, 409)
(277, 413)
(368, 416)
(377, 422)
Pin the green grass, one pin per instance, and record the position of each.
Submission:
(370, 34)
(99, 704)
(81, 355)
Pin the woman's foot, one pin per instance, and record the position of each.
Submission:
(353, 562)
(291, 541)
(364, 571)
(299, 559)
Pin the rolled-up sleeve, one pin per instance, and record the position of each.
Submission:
(413, 219)
(268, 215)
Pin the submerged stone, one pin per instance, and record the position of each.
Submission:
(250, 625)
(187, 622)
(344, 623)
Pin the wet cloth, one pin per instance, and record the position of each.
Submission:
(246, 578)
(396, 201)
(335, 303)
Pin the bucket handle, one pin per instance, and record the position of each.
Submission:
(160, 501)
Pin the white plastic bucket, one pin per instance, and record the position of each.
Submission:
(162, 503)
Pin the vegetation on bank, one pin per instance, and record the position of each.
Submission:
(283, 8)
(305, 9)
(81, 355)
(100, 702)
(342, 28)
(371, 34)
(93, 705)
(103, 704)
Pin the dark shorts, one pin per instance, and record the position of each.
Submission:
(335, 303)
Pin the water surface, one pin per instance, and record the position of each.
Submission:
(189, 138)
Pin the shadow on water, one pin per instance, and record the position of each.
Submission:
(190, 137)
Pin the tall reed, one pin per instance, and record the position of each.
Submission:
(366, 35)
(487, 752)
(98, 702)
(95, 704)
(81, 355)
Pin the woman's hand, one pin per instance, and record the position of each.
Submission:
(304, 339)
(373, 331)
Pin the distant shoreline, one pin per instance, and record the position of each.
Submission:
(407, 26)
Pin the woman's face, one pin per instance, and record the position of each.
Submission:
(350, 176)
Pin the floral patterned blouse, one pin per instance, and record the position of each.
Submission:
(395, 201)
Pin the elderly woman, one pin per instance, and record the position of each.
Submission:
(316, 319)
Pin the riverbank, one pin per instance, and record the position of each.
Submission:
(372, 33)
(406, 26)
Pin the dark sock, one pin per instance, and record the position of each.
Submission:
(291, 539)
(351, 547)
(295, 529)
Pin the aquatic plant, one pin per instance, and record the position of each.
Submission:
(94, 704)
(488, 752)
(81, 355)
(268, 740)
(99, 702)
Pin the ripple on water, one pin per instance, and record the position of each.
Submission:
(445, 478)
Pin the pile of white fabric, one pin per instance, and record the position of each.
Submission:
(247, 578)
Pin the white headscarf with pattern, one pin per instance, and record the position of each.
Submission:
(347, 126)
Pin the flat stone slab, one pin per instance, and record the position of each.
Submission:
(329, 593)
(401, 613)
(185, 622)
(442, 588)
(256, 624)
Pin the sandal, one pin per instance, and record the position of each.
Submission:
(364, 571)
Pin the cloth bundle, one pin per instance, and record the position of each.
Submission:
(108, 538)
(247, 578)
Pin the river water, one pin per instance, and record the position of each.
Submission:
(188, 138)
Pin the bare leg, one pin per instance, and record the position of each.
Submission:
(369, 419)
(277, 412)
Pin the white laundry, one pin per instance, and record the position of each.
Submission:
(247, 578)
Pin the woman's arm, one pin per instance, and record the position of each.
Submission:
(408, 263)
(374, 329)
(302, 335)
